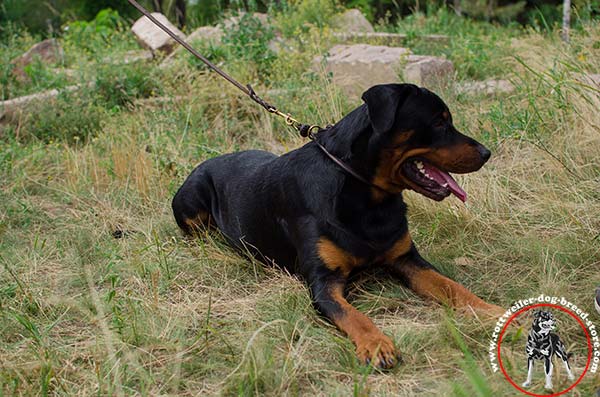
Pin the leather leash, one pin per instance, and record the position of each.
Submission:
(305, 130)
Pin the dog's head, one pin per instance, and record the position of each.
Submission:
(416, 142)
(543, 322)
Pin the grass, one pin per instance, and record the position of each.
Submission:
(83, 312)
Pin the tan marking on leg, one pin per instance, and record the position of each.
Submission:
(401, 247)
(371, 343)
(336, 258)
(199, 221)
(433, 285)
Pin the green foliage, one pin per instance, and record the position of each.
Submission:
(248, 41)
(70, 118)
(118, 86)
(205, 12)
(87, 34)
(478, 47)
(295, 17)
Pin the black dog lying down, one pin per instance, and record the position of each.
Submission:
(544, 345)
(305, 213)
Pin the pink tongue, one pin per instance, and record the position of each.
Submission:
(442, 178)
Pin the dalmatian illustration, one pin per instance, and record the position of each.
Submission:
(542, 344)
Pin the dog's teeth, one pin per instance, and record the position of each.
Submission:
(419, 165)
(445, 185)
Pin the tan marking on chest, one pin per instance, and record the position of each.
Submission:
(401, 247)
(336, 258)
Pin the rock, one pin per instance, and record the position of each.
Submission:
(360, 66)
(210, 34)
(427, 70)
(136, 56)
(487, 87)
(383, 38)
(154, 38)
(352, 21)
(48, 51)
(11, 107)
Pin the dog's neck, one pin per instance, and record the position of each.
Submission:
(351, 140)
(348, 139)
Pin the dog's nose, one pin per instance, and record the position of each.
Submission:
(484, 153)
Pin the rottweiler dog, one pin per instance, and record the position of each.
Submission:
(304, 212)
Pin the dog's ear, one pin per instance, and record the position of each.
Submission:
(383, 102)
(537, 313)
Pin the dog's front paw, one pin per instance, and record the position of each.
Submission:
(378, 350)
(526, 383)
(548, 386)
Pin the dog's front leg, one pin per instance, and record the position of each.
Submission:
(420, 276)
(530, 362)
(372, 346)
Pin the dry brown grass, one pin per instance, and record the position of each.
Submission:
(153, 313)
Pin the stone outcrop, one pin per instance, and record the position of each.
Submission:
(427, 70)
(154, 38)
(360, 66)
(48, 51)
(352, 21)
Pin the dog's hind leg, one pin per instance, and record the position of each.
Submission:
(425, 280)
(564, 356)
(192, 202)
(548, 367)
(529, 372)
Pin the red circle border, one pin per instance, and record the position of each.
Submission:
(587, 335)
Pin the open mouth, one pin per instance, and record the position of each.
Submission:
(431, 181)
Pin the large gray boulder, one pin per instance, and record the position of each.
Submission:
(428, 71)
(48, 51)
(206, 34)
(352, 21)
(154, 38)
(360, 66)
(357, 67)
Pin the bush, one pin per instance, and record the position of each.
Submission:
(248, 41)
(294, 17)
(70, 118)
(102, 28)
(119, 86)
